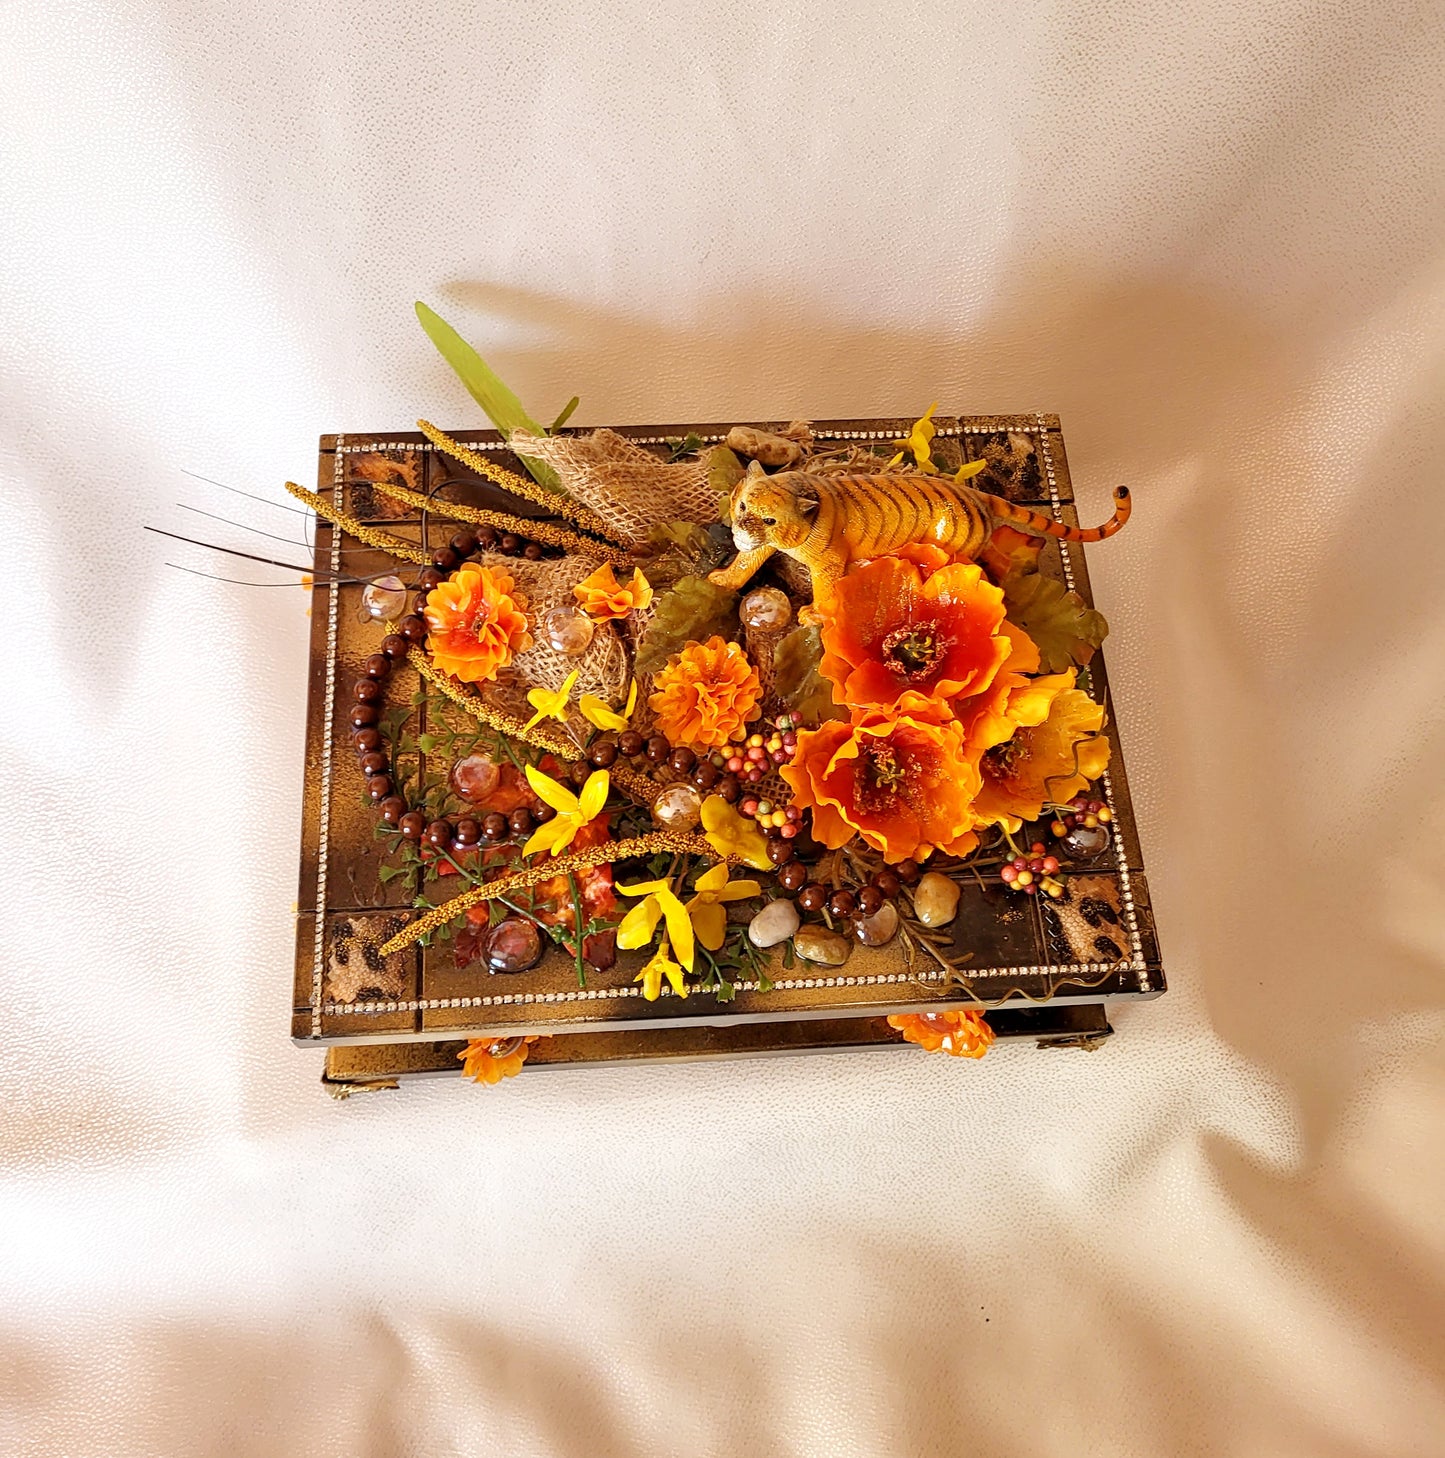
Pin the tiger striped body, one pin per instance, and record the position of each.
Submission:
(826, 522)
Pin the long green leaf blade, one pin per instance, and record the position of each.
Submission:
(501, 405)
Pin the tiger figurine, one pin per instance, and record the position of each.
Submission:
(826, 522)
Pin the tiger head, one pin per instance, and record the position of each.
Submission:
(770, 511)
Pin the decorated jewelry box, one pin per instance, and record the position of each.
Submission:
(708, 740)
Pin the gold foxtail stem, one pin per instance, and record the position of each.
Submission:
(521, 486)
(382, 541)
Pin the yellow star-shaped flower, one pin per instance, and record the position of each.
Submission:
(730, 833)
(659, 903)
(659, 967)
(706, 908)
(573, 811)
(919, 442)
(551, 703)
(596, 711)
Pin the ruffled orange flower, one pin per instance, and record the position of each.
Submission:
(705, 694)
(1053, 753)
(961, 1034)
(890, 631)
(905, 784)
(603, 597)
(477, 623)
(490, 1060)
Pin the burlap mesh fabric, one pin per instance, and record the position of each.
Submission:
(625, 484)
(602, 668)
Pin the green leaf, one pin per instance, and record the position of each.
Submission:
(1065, 628)
(796, 679)
(565, 416)
(427, 743)
(691, 612)
(483, 384)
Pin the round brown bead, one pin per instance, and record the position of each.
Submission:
(439, 834)
(486, 536)
(578, 771)
(412, 628)
(888, 884)
(603, 754)
(842, 903)
(682, 759)
(379, 788)
(366, 740)
(793, 876)
(366, 691)
(729, 788)
(394, 646)
(392, 809)
(494, 826)
(532, 551)
(373, 763)
(509, 543)
(658, 749)
(705, 774)
(813, 896)
(412, 824)
(364, 715)
(780, 851)
(870, 899)
(522, 821)
(378, 666)
(908, 871)
(543, 813)
(469, 830)
(428, 578)
(446, 559)
(464, 544)
(631, 743)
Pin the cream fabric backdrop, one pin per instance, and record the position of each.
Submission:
(1209, 235)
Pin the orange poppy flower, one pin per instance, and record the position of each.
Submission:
(490, 1060)
(960, 1034)
(603, 597)
(891, 630)
(905, 784)
(705, 694)
(1053, 753)
(477, 623)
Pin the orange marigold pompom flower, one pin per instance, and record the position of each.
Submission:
(705, 694)
(603, 597)
(1055, 750)
(961, 1034)
(905, 784)
(477, 623)
(490, 1060)
(890, 629)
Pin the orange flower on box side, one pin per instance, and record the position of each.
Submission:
(895, 633)
(490, 1060)
(1055, 750)
(705, 694)
(603, 597)
(905, 783)
(960, 1034)
(476, 622)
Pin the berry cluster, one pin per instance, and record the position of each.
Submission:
(1082, 811)
(1033, 873)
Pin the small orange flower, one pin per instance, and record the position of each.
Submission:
(490, 1060)
(603, 597)
(477, 623)
(705, 694)
(961, 1034)
(905, 784)
(890, 630)
(1054, 751)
